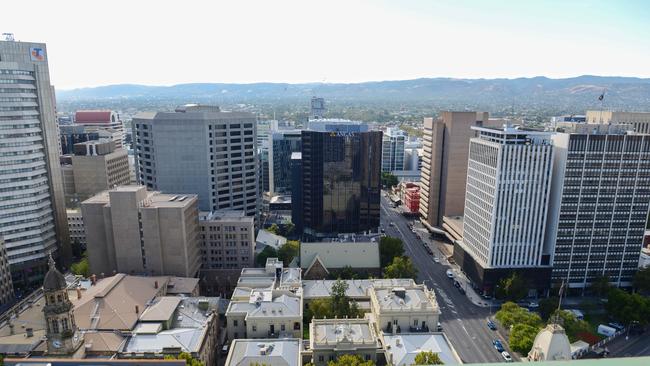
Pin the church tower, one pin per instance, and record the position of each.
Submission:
(62, 335)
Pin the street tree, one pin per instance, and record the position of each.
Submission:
(642, 280)
(427, 358)
(267, 252)
(389, 248)
(600, 285)
(401, 267)
(522, 337)
(511, 288)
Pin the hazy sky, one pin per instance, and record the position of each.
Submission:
(94, 42)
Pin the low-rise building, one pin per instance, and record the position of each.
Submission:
(271, 352)
(404, 309)
(266, 238)
(401, 349)
(331, 338)
(227, 240)
(323, 259)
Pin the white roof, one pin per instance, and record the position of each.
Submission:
(267, 238)
(263, 306)
(339, 255)
(271, 352)
(551, 344)
(357, 289)
(403, 348)
(414, 299)
(187, 339)
(328, 333)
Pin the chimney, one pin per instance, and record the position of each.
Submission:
(93, 279)
(155, 284)
(78, 293)
(137, 309)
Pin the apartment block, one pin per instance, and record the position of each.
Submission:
(227, 240)
(444, 163)
(508, 190)
(132, 230)
(200, 150)
(32, 211)
(640, 121)
(95, 166)
(392, 150)
(599, 206)
(103, 120)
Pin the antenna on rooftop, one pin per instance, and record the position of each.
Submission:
(9, 37)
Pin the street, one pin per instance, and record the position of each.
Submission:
(463, 322)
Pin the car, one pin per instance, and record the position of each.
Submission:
(491, 325)
(392, 223)
(506, 356)
(382, 229)
(450, 273)
(436, 259)
(498, 345)
(533, 305)
(618, 326)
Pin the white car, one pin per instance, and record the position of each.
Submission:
(506, 356)
(436, 259)
(450, 273)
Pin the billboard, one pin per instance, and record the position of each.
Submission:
(37, 53)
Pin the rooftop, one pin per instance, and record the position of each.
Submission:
(340, 254)
(154, 199)
(357, 289)
(329, 333)
(226, 215)
(271, 352)
(400, 298)
(402, 349)
(270, 303)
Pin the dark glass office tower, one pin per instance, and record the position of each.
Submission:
(341, 174)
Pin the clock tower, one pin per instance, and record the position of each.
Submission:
(62, 335)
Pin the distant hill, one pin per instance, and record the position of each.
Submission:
(582, 91)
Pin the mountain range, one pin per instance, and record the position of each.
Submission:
(581, 92)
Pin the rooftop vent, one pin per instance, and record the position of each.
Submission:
(399, 292)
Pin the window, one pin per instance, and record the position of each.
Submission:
(321, 358)
(235, 323)
(367, 357)
(55, 326)
(296, 326)
(415, 322)
(282, 328)
(254, 328)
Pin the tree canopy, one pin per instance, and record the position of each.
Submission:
(189, 360)
(511, 288)
(81, 268)
(626, 307)
(572, 325)
(390, 248)
(511, 314)
(388, 179)
(522, 337)
(337, 305)
(267, 252)
(401, 267)
(350, 360)
(288, 251)
(427, 358)
(600, 285)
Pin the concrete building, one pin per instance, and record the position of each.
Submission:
(444, 163)
(272, 352)
(412, 161)
(508, 190)
(599, 204)
(551, 344)
(76, 226)
(132, 230)
(640, 121)
(644, 261)
(103, 120)
(200, 150)
(32, 212)
(401, 349)
(282, 144)
(392, 150)
(404, 309)
(325, 259)
(268, 239)
(341, 183)
(227, 240)
(6, 285)
(95, 166)
(317, 108)
(337, 125)
(330, 339)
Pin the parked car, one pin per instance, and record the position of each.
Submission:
(506, 356)
(436, 259)
(491, 325)
(450, 273)
(498, 345)
(533, 305)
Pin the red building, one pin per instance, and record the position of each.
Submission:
(412, 199)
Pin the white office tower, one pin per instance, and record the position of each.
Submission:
(599, 205)
(392, 150)
(508, 187)
(32, 211)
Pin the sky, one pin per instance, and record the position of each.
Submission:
(101, 42)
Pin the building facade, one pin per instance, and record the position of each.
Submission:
(640, 121)
(227, 240)
(6, 285)
(392, 150)
(444, 163)
(200, 150)
(317, 108)
(76, 227)
(131, 230)
(601, 196)
(341, 182)
(32, 210)
(508, 190)
(283, 143)
(95, 166)
(101, 120)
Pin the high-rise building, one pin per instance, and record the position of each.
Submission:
(444, 163)
(95, 166)
(262, 137)
(599, 205)
(74, 134)
(227, 240)
(296, 191)
(132, 230)
(341, 182)
(392, 155)
(508, 189)
(337, 125)
(282, 144)
(412, 160)
(640, 121)
(200, 150)
(6, 285)
(32, 210)
(103, 120)
(317, 108)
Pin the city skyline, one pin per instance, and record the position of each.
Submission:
(379, 41)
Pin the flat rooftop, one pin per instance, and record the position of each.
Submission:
(327, 333)
(229, 215)
(271, 352)
(402, 349)
(399, 298)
